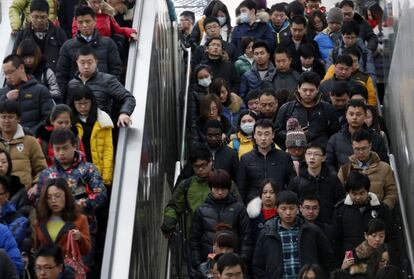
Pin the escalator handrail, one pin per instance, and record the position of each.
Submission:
(185, 109)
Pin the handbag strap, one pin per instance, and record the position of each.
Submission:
(72, 247)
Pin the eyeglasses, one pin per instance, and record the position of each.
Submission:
(361, 149)
(312, 154)
(39, 268)
(55, 197)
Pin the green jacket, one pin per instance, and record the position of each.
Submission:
(242, 65)
(19, 12)
(187, 199)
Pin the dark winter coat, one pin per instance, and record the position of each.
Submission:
(326, 87)
(35, 101)
(18, 196)
(284, 80)
(197, 130)
(339, 148)
(320, 120)
(366, 33)
(317, 67)
(259, 31)
(55, 38)
(106, 53)
(224, 69)
(251, 79)
(200, 53)
(212, 212)
(327, 186)
(290, 45)
(106, 88)
(194, 99)
(313, 248)
(254, 167)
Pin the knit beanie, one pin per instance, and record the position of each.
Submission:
(295, 137)
(335, 15)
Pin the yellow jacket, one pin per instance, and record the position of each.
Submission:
(22, 7)
(246, 145)
(102, 149)
(361, 77)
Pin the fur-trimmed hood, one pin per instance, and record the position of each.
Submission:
(254, 207)
(104, 119)
(373, 200)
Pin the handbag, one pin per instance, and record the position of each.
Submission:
(73, 257)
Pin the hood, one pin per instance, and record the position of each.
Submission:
(236, 102)
(270, 66)
(243, 138)
(374, 158)
(18, 135)
(254, 208)
(284, 26)
(104, 119)
(373, 200)
(299, 99)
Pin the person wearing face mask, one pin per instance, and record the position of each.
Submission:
(202, 76)
(243, 142)
(250, 27)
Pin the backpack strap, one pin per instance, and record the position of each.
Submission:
(236, 144)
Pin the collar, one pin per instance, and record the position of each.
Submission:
(373, 199)
(87, 38)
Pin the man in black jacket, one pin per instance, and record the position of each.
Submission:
(43, 32)
(87, 35)
(264, 161)
(339, 146)
(105, 87)
(287, 243)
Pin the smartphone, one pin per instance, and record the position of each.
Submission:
(349, 254)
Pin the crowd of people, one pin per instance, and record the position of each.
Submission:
(287, 171)
(60, 109)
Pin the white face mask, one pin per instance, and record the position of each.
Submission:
(247, 128)
(205, 82)
(244, 18)
(222, 20)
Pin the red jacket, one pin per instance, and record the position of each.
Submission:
(106, 26)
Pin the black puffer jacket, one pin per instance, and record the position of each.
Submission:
(327, 186)
(18, 196)
(254, 167)
(55, 38)
(284, 80)
(194, 100)
(35, 101)
(224, 69)
(200, 53)
(320, 119)
(106, 53)
(106, 89)
(211, 212)
(313, 247)
(339, 148)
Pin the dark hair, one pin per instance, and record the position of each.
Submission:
(210, 19)
(5, 182)
(263, 123)
(377, 12)
(375, 118)
(357, 181)
(69, 213)
(60, 109)
(230, 260)
(84, 10)
(340, 88)
(361, 135)
(344, 60)
(199, 152)
(309, 196)
(280, 7)
(389, 272)
(267, 92)
(219, 179)
(266, 181)
(282, 50)
(262, 44)
(299, 19)
(60, 136)
(250, 4)
(374, 225)
(215, 88)
(353, 50)
(320, 15)
(309, 77)
(295, 8)
(348, 3)
(9, 161)
(85, 50)
(245, 41)
(287, 197)
(84, 92)
(51, 250)
(359, 89)
(29, 47)
(319, 274)
(188, 14)
(15, 59)
(306, 50)
(39, 5)
(11, 107)
(282, 96)
(209, 40)
(205, 105)
(213, 124)
(220, 6)
(315, 144)
(340, 274)
(200, 67)
(356, 103)
(224, 236)
(252, 94)
(350, 27)
(242, 114)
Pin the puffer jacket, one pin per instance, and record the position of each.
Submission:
(200, 53)
(27, 156)
(380, 175)
(242, 65)
(326, 41)
(245, 144)
(20, 9)
(18, 196)
(194, 101)
(35, 102)
(339, 148)
(224, 69)
(283, 80)
(320, 120)
(83, 179)
(251, 79)
(106, 51)
(17, 224)
(327, 186)
(197, 130)
(55, 38)
(7, 266)
(290, 45)
(45, 75)
(282, 34)
(254, 167)
(232, 110)
(102, 149)
(259, 31)
(106, 89)
(312, 244)
(8, 243)
(207, 216)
